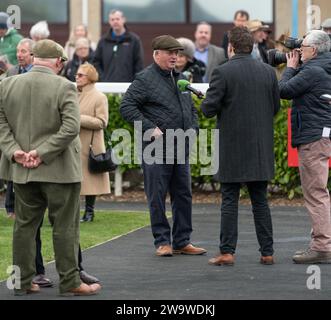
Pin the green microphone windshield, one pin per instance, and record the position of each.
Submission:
(182, 84)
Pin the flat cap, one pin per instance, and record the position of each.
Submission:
(48, 49)
(166, 42)
(326, 23)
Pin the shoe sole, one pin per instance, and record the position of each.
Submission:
(164, 255)
(71, 294)
(50, 285)
(221, 264)
(328, 261)
(27, 292)
(188, 253)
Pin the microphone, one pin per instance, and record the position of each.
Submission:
(185, 85)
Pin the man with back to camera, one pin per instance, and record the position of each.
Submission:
(311, 126)
(46, 168)
(244, 96)
(154, 100)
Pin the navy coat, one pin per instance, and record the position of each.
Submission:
(305, 85)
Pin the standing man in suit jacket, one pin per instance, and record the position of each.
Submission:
(40, 136)
(211, 55)
(244, 96)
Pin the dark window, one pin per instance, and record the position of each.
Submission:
(147, 10)
(32, 11)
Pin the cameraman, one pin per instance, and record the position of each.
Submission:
(311, 123)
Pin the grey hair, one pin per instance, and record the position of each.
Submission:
(40, 29)
(29, 41)
(155, 52)
(320, 40)
(115, 11)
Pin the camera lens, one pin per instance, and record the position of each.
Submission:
(275, 57)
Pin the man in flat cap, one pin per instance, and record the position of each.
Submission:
(154, 102)
(39, 127)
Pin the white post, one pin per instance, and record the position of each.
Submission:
(118, 183)
(85, 12)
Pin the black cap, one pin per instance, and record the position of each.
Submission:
(166, 42)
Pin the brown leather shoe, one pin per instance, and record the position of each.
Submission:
(33, 289)
(225, 259)
(190, 250)
(267, 260)
(164, 251)
(83, 290)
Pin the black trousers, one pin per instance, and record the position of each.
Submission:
(229, 216)
(10, 197)
(158, 180)
(40, 268)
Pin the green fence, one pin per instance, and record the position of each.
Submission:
(286, 181)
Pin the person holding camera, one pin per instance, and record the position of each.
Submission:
(192, 68)
(311, 127)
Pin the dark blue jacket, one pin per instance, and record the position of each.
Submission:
(305, 85)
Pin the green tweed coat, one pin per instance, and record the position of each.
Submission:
(39, 110)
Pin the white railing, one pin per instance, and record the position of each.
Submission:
(120, 88)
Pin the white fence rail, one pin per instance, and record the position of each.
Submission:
(120, 88)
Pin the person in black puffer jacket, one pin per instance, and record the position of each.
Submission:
(311, 127)
(154, 101)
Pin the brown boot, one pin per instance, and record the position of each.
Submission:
(83, 290)
(225, 259)
(267, 260)
(190, 250)
(33, 289)
(164, 251)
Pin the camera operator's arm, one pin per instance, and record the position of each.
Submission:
(294, 82)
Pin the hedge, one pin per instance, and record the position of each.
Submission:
(286, 181)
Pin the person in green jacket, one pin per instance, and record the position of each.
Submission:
(9, 38)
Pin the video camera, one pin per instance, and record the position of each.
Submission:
(276, 57)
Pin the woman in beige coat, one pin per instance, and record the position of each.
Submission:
(93, 118)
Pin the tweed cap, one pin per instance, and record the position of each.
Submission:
(166, 42)
(48, 49)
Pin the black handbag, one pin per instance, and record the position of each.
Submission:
(102, 162)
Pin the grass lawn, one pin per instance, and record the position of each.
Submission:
(106, 226)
